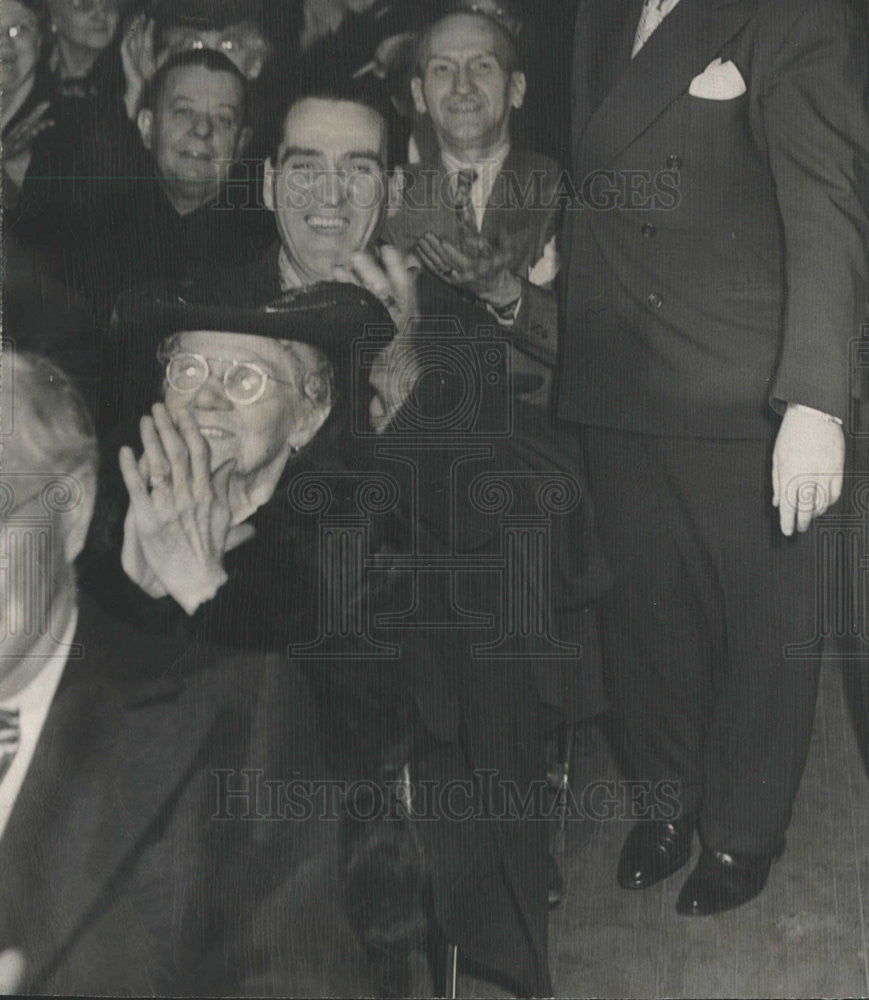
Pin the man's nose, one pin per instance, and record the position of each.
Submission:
(203, 127)
(331, 187)
(462, 80)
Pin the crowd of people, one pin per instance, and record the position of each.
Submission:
(381, 401)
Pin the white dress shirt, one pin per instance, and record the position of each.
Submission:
(545, 270)
(33, 703)
(654, 11)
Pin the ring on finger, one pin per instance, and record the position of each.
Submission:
(157, 481)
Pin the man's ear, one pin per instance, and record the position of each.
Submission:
(243, 141)
(77, 520)
(269, 185)
(418, 96)
(145, 121)
(518, 88)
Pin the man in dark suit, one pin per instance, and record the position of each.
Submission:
(123, 871)
(716, 271)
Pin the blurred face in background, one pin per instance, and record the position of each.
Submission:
(468, 86)
(85, 24)
(196, 132)
(243, 43)
(327, 186)
(20, 43)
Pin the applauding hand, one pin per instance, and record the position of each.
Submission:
(396, 371)
(18, 142)
(177, 533)
(476, 265)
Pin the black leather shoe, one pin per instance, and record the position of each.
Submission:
(722, 881)
(654, 850)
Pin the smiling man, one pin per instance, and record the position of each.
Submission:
(326, 184)
(483, 213)
(193, 125)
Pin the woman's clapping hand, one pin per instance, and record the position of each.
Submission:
(179, 524)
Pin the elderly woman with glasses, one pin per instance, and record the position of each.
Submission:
(249, 400)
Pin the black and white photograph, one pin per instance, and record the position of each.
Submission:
(434, 498)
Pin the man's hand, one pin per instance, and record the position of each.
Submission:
(12, 966)
(807, 467)
(18, 142)
(176, 535)
(476, 265)
(395, 373)
(139, 61)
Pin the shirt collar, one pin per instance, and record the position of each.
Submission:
(490, 164)
(289, 276)
(40, 689)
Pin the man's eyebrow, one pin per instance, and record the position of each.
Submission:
(186, 97)
(365, 154)
(353, 154)
(299, 151)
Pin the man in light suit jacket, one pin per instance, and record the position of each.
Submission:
(479, 210)
(123, 868)
(715, 272)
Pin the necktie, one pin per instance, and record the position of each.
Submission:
(10, 737)
(654, 11)
(464, 181)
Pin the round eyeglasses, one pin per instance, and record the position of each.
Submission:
(243, 381)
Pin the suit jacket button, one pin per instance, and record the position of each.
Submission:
(655, 300)
(649, 230)
(674, 162)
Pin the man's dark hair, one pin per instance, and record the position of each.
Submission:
(208, 59)
(336, 93)
(507, 46)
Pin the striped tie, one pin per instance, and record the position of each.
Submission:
(10, 737)
(654, 11)
(463, 181)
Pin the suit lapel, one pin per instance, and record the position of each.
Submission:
(604, 35)
(109, 759)
(685, 43)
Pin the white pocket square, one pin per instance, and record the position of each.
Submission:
(720, 81)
